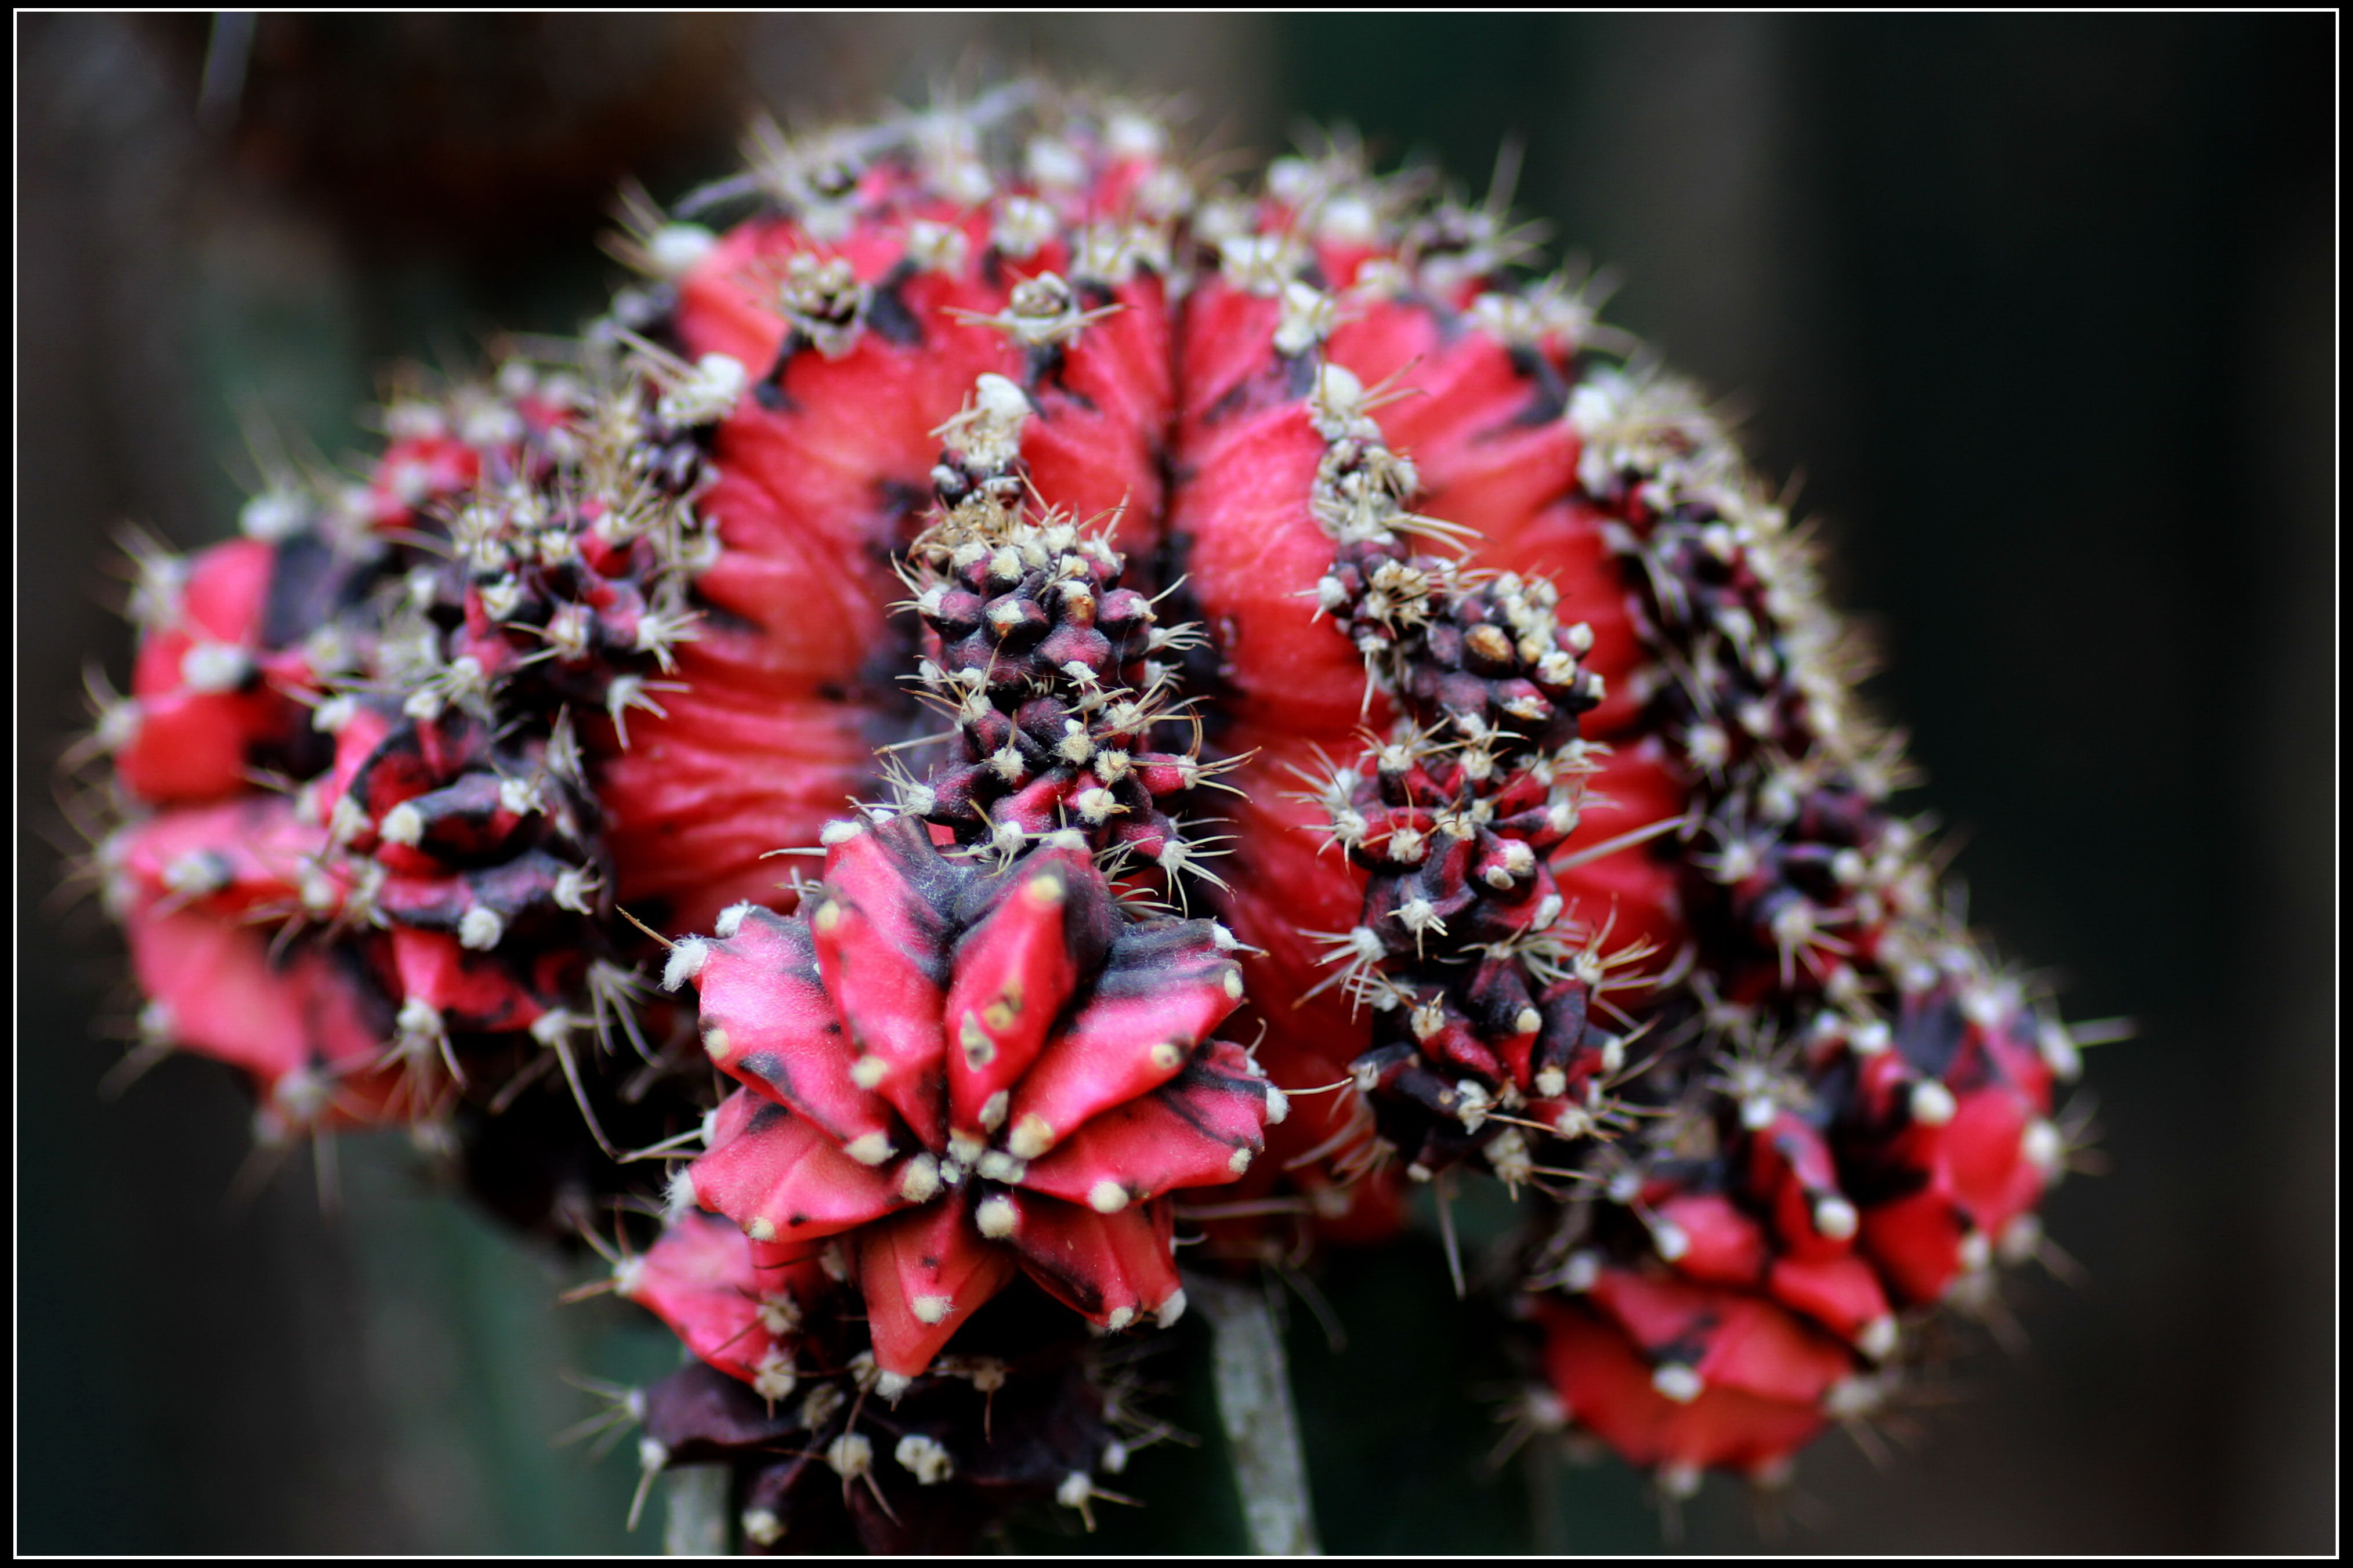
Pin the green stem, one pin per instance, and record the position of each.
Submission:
(696, 1522)
(1261, 1428)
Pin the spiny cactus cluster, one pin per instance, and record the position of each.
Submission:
(1284, 709)
(352, 749)
(1865, 1128)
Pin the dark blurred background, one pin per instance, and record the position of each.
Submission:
(2041, 308)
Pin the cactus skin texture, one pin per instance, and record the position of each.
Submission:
(1175, 615)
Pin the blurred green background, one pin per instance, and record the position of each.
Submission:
(2041, 308)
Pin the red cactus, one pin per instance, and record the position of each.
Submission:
(435, 878)
(962, 1071)
(1555, 847)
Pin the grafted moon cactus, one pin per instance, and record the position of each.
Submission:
(1229, 646)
